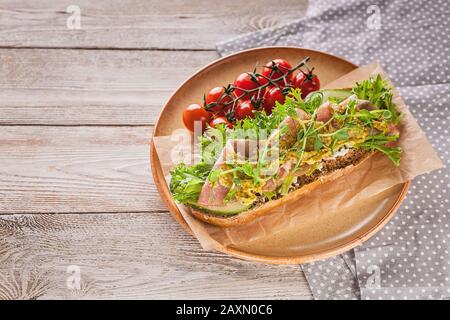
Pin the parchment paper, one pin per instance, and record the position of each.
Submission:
(370, 178)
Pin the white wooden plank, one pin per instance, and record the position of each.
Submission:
(128, 256)
(94, 87)
(76, 169)
(139, 23)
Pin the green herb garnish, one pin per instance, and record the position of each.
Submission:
(187, 181)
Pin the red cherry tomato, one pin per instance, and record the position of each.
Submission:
(220, 120)
(282, 66)
(217, 96)
(262, 80)
(245, 81)
(244, 109)
(272, 95)
(307, 82)
(194, 113)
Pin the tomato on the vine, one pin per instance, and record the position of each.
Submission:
(222, 101)
(244, 109)
(272, 95)
(220, 120)
(277, 68)
(195, 113)
(307, 82)
(246, 81)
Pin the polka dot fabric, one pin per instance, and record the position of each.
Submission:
(411, 254)
(409, 258)
(334, 279)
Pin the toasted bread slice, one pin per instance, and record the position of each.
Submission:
(332, 169)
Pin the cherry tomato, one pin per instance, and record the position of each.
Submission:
(307, 82)
(244, 109)
(194, 113)
(223, 102)
(246, 81)
(272, 95)
(220, 120)
(282, 68)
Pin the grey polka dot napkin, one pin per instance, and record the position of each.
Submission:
(409, 258)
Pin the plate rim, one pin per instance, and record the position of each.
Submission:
(320, 254)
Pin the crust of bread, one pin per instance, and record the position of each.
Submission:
(267, 207)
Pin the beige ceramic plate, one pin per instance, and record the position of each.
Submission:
(318, 236)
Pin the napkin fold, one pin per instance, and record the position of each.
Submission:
(409, 258)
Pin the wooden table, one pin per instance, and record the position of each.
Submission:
(77, 108)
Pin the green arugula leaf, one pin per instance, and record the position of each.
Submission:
(378, 142)
(230, 194)
(378, 92)
(318, 143)
(341, 134)
(251, 171)
(187, 181)
(214, 175)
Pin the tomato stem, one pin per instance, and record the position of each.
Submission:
(228, 93)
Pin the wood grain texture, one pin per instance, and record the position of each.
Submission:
(90, 87)
(76, 169)
(179, 24)
(126, 256)
(76, 114)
